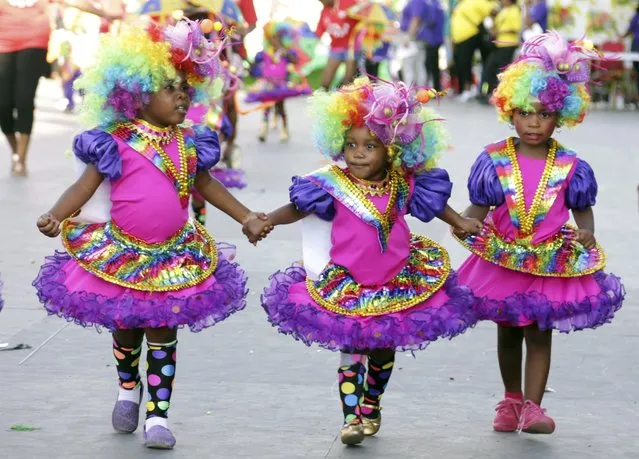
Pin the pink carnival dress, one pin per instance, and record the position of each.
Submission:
(149, 266)
(384, 288)
(215, 118)
(277, 79)
(526, 266)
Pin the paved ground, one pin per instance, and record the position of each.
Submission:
(245, 391)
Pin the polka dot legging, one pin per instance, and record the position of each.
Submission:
(160, 372)
(351, 385)
(356, 395)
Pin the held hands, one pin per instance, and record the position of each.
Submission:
(466, 227)
(48, 225)
(586, 238)
(256, 226)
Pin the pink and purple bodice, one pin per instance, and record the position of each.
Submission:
(370, 255)
(145, 203)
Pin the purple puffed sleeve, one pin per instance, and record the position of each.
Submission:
(483, 184)
(582, 187)
(207, 145)
(430, 194)
(100, 149)
(308, 197)
(227, 128)
(256, 68)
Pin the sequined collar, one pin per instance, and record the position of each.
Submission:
(154, 134)
(372, 188)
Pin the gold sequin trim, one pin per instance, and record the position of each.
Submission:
(130, 240)
(555, 244)
(400, 306)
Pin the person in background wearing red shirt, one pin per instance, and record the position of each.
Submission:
(335, 21)
(24, 39)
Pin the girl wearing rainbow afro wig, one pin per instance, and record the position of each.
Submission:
(278, 72)
(531, 271)
(134, 262)
(369, 287)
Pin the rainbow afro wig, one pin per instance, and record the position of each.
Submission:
(395, 113)
(138, 62)
(549, 71)
(284, 32)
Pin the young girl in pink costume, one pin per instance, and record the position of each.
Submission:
(144, 268)
(531, 271)
(278, 76)
(380, 288)
(213, 117)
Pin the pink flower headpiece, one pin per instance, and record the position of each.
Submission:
(191, 50)
(392, 110)
(571, 60)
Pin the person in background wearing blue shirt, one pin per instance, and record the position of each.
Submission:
(414, 60)
(537, 13)
(633, 31)
(434, 19)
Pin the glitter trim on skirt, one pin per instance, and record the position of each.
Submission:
(67, 290)
(289, 307)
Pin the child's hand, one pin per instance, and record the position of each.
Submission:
(467, 226)
(48, 225)
(586, 238)
(256, 227)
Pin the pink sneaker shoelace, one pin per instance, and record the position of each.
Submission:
(507, 405)
(530, 412)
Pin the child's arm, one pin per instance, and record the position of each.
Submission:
(285, 215)
(216, 194)
(475, 211)
(463, 224)
(71, 200)
(585, 220)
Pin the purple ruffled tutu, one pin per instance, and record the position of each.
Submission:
(446, 314)
(230, 178)
(565, 304)
(114, 307)
(276, 93)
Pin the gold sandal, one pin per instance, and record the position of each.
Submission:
(372, 426)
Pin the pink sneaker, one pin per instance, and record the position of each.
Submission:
(534, 420)
(507, 417)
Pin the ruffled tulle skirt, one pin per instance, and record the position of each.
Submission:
(563, 303)
(230, 178)
(266, 91)
(69, 291)
(290, 308)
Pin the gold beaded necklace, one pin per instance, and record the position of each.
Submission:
(153, 134)
(372, 188)
(182, 175)
(527, 218)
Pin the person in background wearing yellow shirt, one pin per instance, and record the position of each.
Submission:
(466, 24)
(506, 32)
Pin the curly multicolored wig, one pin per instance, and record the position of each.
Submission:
(138, 62)
(393, 112)
(549, 71)
(284, 32)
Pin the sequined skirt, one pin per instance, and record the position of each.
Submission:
(560, 256)
(185, 281)
(423, 303)
(105, 250)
